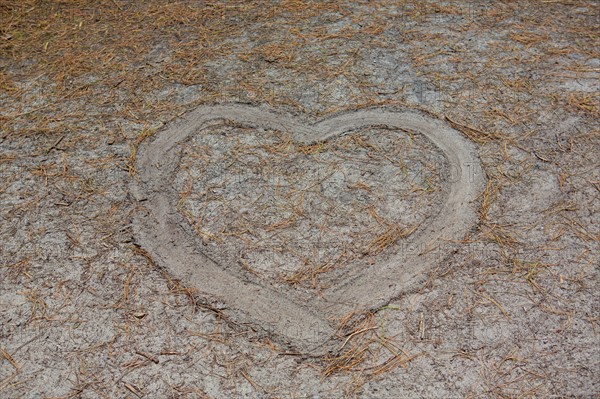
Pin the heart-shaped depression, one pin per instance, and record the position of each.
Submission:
(307, 215)
(238, 185)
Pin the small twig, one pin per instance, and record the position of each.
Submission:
(53, 146)
(356, 332)
(118, 6)
(148, 356)
(492, 300)
(133, 389)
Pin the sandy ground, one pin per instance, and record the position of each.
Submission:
(84, 312)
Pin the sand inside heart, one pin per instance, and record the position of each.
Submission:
(305, 215)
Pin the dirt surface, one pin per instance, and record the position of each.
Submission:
(512, 310)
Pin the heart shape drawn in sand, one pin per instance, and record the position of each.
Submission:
(304, 323)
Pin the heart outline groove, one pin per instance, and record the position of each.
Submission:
(303, 325)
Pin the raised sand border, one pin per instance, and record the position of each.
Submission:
(170, 240)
